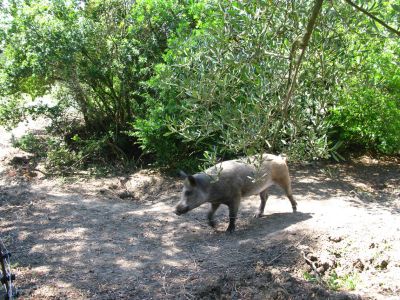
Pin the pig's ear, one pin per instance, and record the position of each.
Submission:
(183, 174)
(192, 180)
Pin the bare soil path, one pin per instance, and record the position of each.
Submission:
(117, 237)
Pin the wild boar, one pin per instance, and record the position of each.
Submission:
(229, 181)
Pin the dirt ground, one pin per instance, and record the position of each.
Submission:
(118, 238)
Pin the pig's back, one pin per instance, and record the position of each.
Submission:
(250, 175)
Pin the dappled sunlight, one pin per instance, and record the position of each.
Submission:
(353, 181)
(127, 265)
(161, 207)
(69, 234)
(55, 288)
(103, 99)
(173, 262)
(108, 238)
(45, 269)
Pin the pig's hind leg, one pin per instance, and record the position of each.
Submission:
(264, 198)
(285, 184)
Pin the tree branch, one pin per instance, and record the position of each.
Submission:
(306, 38)
(388, 27)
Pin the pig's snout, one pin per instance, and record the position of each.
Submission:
(181, 209)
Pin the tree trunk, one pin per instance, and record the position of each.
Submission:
(79, 95)
(304, 43)
(292, 81)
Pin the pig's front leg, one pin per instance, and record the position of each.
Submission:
(233, 210)
(211, 212)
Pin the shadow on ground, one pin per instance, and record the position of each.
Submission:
(367, 186)
(86, 245)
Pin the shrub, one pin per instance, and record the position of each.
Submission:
(221, 87)
(100, 53)
(367, 115)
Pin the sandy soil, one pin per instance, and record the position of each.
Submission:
(117, 237)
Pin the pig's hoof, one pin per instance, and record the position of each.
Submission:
(258, 215)
(294, 209)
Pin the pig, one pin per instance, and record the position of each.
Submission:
(229, 181)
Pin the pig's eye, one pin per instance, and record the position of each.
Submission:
(188, 193)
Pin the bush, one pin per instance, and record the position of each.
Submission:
(33, 144)
(155, 138)
(199, 80)
(221, 87)
(100, 53)
(11, 111)
(367, 115)
(368, 121)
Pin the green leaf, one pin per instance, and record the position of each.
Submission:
(396, 7)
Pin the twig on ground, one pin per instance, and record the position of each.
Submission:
(164, 283)
(312, 265)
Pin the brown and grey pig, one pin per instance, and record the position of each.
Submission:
(229, 181)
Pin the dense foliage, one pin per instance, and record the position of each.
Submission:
(185, 80)
(95, 57)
